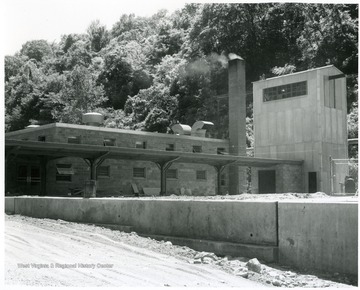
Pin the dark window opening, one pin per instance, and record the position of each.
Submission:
(109, 142)
(223, 179)
(140, 144)
(201, 175)
(41, 138)
(139, 172)
(285, 91)
(74, 140)
(197, 149)
(312, 182)
(221, 151)
(172, 174)
(64, 172)
(170, 147)
(103, 171)
(267, 181)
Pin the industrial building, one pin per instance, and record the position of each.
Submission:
(299, 122)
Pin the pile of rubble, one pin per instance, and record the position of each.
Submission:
(252, 269)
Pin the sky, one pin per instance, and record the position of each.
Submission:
(25, 20)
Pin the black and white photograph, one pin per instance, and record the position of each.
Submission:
(180, 144)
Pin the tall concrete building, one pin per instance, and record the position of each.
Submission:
(302, 116)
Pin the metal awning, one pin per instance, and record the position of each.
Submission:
(59, 150)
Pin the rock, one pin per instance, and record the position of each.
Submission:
(168, 243)
(276, 283)
(202, 255)
(197, 261)
(290, 274)
(242, 272)
(207, 260)
(254, 265)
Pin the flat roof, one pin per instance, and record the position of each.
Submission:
(59, 150)
(110, 130)
(299, 72)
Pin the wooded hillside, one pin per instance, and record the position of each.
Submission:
(147, 73)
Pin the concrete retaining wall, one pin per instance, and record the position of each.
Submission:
(309, 235)
(321, 236)
(228, 221)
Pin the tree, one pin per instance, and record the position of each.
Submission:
(98, 35)
(80, 94)
(36, 49)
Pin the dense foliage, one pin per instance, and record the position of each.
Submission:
(148, 73)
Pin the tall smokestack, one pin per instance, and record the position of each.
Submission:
(237, 122)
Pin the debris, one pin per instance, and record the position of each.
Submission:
(197, 261)
(276, 283)
(243, 272)
(254, 265)
(168, 243)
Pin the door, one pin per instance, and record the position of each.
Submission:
(312, 182)
(267, 181)
(29, 179)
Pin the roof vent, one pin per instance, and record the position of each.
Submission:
(197, 128)
(93, 119)
(180, 129)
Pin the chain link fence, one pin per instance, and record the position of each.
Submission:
(344, 176)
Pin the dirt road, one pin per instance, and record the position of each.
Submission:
(51, 253)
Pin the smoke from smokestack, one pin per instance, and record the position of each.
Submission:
(234, 56)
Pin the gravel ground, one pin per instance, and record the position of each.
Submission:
(253, 271)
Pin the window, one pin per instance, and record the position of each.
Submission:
(103, 171)
(285, 91)
(109, 142)
(170, 147)
(139, 172)
(41, 138)
(64, 172)
(74, 139)
(197, 148)
(330, 98)
(22, 173)
(221, 151)
(140, 144)
(223, 179)
(171, 174)
(201, 175)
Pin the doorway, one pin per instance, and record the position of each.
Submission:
(267, 181)
(29, 179)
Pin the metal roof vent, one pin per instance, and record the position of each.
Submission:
(93, 119)
(180, 129)
(197, 128)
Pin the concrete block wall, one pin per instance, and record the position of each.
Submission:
(127, 138)
(121, 177)
(289, 178)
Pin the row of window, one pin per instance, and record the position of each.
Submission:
(285, 91)
(64, 172)
(138, 144)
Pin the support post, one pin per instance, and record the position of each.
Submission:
(43, 164)
(219, 169)
(164, 166)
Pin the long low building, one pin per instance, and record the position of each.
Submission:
(54, 158)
